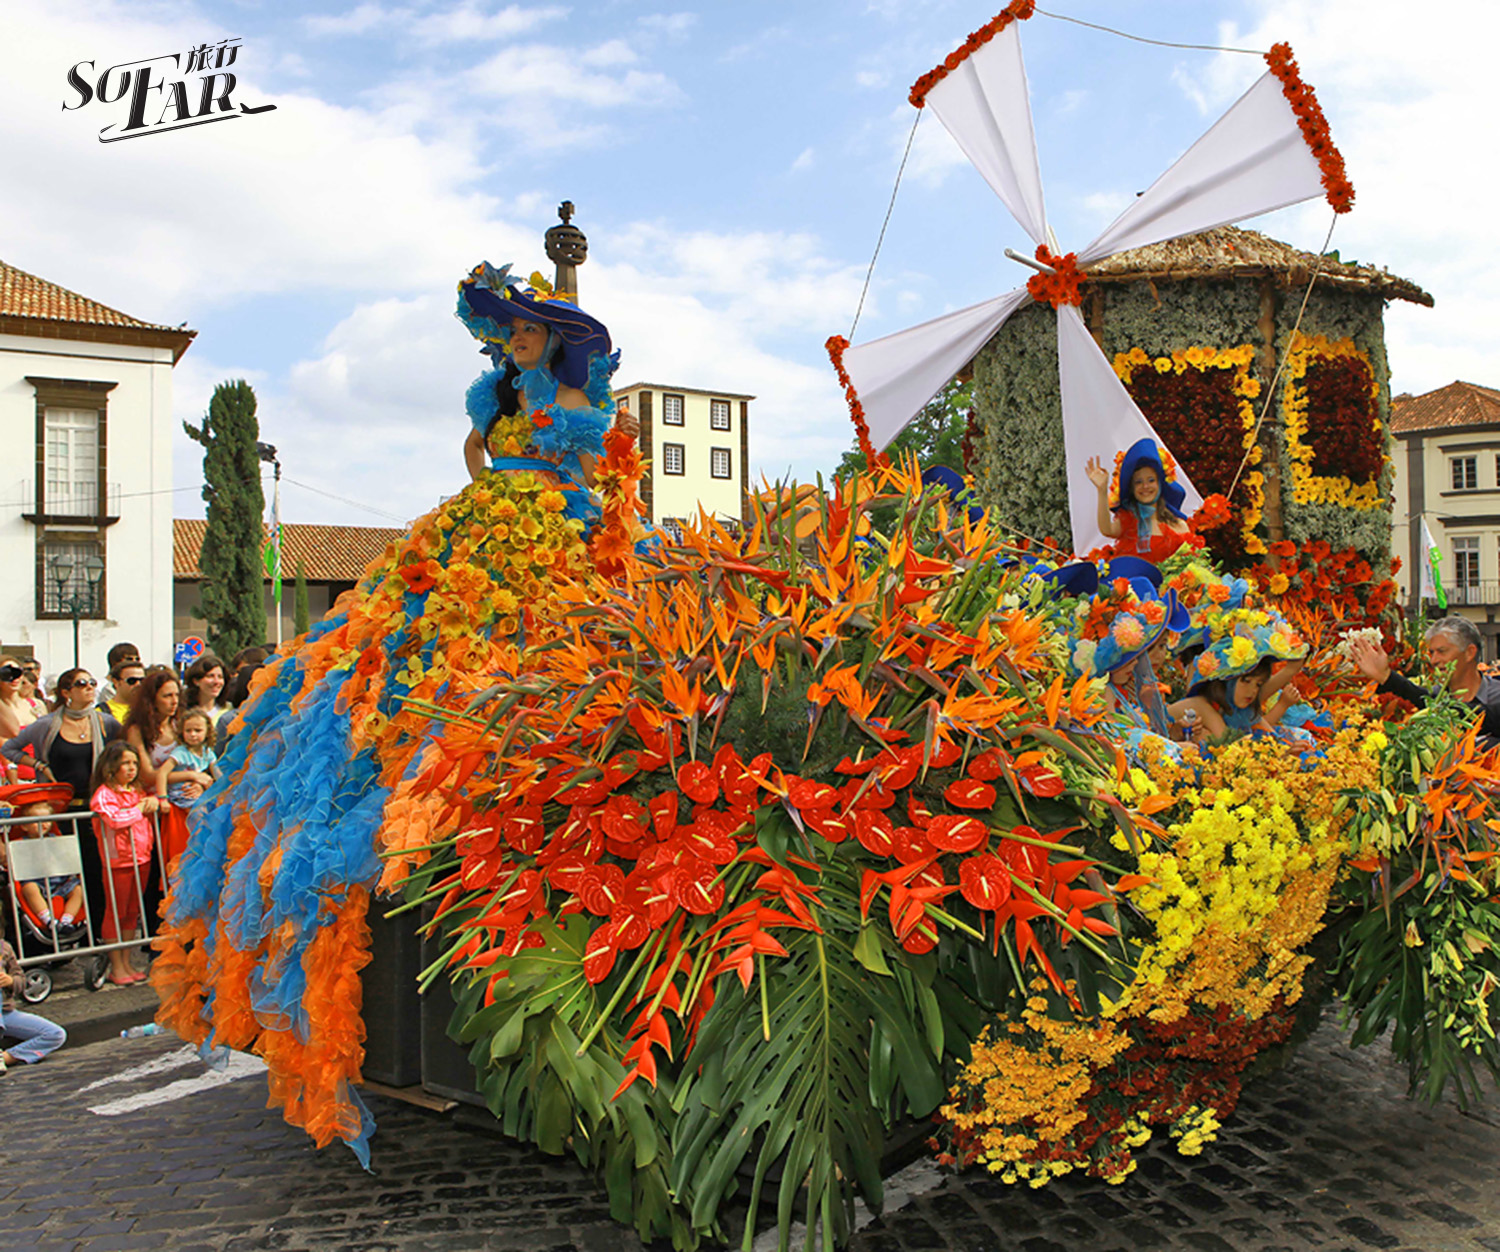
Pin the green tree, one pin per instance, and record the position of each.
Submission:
(230, 563)
(936, 434)
(301, 614)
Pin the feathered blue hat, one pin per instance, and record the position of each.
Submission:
(489, 299)
(1141, 453)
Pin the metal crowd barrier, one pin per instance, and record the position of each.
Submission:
(35, 858)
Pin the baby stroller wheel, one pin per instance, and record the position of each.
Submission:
(95, 971)
(37, 987)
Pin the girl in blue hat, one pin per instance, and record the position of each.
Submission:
(1141, 510)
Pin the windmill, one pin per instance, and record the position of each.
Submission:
(1270, 149)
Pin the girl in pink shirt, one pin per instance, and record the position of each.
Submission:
(125, 842)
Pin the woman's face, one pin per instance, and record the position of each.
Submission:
(11, 678)
(166, 700)
(1247, 690)
(210, 685)
(1144, 485)
(528, 341)
(81, 693)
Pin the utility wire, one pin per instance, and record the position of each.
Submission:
(1160, 43)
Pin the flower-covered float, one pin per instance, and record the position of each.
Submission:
(744, 852)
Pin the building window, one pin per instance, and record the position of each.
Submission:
(719, 464)
(70, 455)
(718, 414)
(1465, 470)
(673, 527)
(672, 459)
(81, 556)
(1466, 568)
(672, 413)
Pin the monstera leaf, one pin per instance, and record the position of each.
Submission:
(804, 1073)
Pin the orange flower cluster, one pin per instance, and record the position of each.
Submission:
(837, 345)
(1214, 513)
(1059, 287)
(1015, 11)
(616, 480)
(1304, 102)
(1313, 583)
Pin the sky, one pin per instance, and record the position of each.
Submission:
(731, 164)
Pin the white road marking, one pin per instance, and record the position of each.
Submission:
(901, 1188)
(185, 1055)
(238, 1066)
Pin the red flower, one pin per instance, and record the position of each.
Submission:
(984, 881)
(952, 832)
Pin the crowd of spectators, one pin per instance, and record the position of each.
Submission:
(120, 763)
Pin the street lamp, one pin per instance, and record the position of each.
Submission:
(76, 603)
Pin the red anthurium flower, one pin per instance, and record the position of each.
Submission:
(698, 783)
(945, 754)
(1041, 781)
(984, 881)
(986, 766)
(829, 824)
(600, 952)
(969, 793)
(952, 832)
(738, 783)
(874, 830)
(482, 871)
(523, 830)
(664, 814)
(601, 888)
(910, 844)
(919, 813)
(808, 793)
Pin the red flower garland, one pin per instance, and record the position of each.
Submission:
(836, 346)
(1015, 11)
(1059, 287)
(1304, 102)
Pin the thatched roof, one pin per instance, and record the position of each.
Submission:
(1232, 252)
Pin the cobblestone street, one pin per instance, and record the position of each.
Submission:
(129, 1145)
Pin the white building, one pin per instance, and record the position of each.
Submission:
(86, 415)
(698, 446)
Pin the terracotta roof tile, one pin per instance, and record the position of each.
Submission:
(328, 553)
(1455, 406)
(26, 295)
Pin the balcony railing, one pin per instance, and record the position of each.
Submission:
(1473, 595)
(72, 500)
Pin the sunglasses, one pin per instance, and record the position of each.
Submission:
(131, 682)
(84, 682)
(10, 673)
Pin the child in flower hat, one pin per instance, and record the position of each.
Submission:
(1231, 682)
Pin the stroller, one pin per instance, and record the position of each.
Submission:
(48, 860)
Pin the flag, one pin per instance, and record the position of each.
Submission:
(1432, 569)
(273, 548)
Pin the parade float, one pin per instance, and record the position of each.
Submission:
(741, 854)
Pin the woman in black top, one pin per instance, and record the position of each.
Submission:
(63, 747)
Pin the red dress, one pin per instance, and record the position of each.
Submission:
(1163, 543)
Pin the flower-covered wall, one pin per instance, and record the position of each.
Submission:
(1192, 353)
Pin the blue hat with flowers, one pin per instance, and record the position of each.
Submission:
(489, 299)
(1242, 639)
(1141, 453)
(1141, 614)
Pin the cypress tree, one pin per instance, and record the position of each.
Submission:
(231, 564)
(301, 615)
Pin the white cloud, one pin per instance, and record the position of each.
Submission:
(359, 20)
(804, 160)
(934, 154)
(1410, 106)
(466, 23)
(671, 26)
(871, 78)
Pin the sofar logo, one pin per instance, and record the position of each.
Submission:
(160, 101)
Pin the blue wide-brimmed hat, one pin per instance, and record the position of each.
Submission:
(955, 485)
(1141, 453)
(489, 299)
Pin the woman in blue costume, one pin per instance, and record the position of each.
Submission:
(266, 928)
